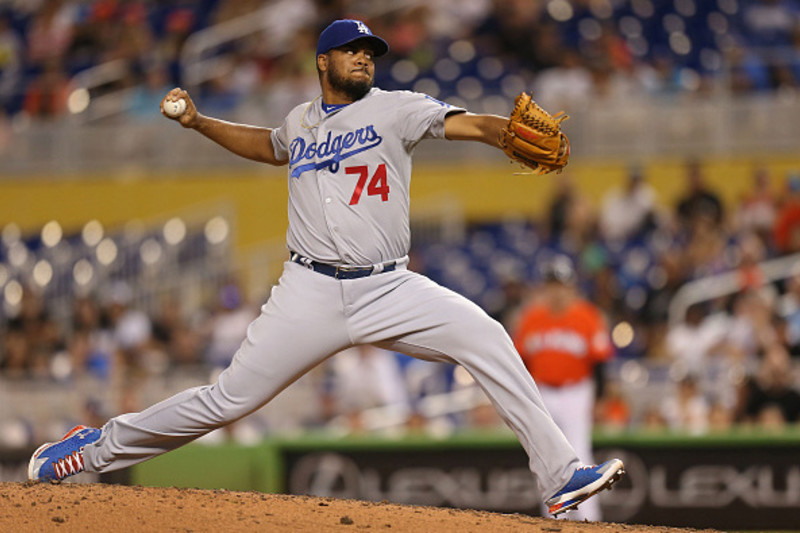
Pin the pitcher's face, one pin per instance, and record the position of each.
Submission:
(350, 69)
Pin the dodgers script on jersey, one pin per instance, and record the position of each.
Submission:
(350, 174)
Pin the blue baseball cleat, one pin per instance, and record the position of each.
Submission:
(585, 483)
(54, 461)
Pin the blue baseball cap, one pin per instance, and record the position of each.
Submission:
(341, 32)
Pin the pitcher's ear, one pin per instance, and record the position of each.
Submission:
(322, 62)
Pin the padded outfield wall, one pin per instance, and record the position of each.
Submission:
(735, 481)
(741, 481)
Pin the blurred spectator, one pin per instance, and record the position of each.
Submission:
(226, 11)
(720, 418)
(561, 202)
(699, 202)
(655, 338)
(793, 56)
(6, 132)
(424, 378)
(484, 417)
(514, 30)
(229, 324)
(752, 252)
(561, 339)
(661, 76)
(786, 231)
(612, 46)
(668, 274)
(758, 207)
(409, 31)
(748, 71)
(16, 362)
(46, 96)
(613, 411)
(91, 345)
(770, 22)
(11, 62)
(567, 85)
(50, 32)
(31, 339)
(611, 85)
(771, 392)
(789, 308)
(365, 377)
(514, 293)
(707, 250)
(571, 220)
(223, 93)
(687, 410)
(292, 78)
(243, 73)
(145, 99)
(177, 26)
(692, 341)
(783, 335)
(607, 293)
(749, 325)
(92, 36)
(771, 419)
(133, 39)
(132, 332)
(653, 420)
(174, 336)
(456, 18)
(628, 211)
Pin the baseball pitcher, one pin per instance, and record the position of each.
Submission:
(346, 281)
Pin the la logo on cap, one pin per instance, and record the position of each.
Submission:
(342, 32)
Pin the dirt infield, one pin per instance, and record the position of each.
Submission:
(27, 507)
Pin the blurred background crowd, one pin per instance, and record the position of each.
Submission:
(728, 359)
(567, 51)
(116, 337)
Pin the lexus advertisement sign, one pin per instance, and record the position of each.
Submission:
(722, 485)
(727, 488)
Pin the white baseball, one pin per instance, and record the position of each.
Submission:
(175, 108)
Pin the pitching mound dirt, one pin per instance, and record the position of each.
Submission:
(27, 507)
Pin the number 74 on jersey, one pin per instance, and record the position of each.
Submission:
(377, 186)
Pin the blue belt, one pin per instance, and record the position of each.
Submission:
(342, 272)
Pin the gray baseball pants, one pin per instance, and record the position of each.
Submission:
(309, 317)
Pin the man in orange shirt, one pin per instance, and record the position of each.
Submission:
(561, 337)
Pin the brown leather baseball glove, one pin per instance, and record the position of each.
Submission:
(533, 137)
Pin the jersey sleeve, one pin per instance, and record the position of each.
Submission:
(280, 142)
(421, 116)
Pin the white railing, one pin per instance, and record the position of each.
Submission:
(728, 283)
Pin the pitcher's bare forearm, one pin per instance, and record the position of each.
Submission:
(251, 142)
(472, 127)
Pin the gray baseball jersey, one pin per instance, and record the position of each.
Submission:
(349, 175)
(350, 172)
